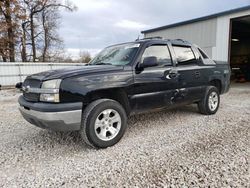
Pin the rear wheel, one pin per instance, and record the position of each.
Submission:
(104, 122)
(211, 101)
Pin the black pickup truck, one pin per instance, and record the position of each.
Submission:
(122, 80)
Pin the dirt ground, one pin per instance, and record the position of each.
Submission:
(176, 148)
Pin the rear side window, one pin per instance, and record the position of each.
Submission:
(184, 55)
(161, 52)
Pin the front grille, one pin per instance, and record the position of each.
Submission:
(33, 83)
(32, 97)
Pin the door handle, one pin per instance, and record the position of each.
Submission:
(172, 75)
(197, 74)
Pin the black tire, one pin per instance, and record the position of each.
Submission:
(90, 115)
(204, 106)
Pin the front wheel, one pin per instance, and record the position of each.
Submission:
(104, 122)
(210, 103)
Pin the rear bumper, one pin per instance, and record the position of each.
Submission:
(57, 117)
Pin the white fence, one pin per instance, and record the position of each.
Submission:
(11, 73)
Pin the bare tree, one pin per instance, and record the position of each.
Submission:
(85, 57)
(10, 15)
(52, 43)
(3, 49)
(6, 11)
(39, 11)
(23, 42)
(31, 25)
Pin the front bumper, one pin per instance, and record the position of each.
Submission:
(57, 117)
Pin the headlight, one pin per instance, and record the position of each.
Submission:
(51, 89)
(51, 84)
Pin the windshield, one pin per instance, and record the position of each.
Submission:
(116, 55)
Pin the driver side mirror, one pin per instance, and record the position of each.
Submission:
(19, 85)
(150, 61)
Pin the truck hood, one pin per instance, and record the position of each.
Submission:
(74, 71)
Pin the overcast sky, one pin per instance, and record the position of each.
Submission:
(99, 23)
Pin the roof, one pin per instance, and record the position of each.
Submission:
(199, 19)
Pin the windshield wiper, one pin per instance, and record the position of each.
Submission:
(102, 64)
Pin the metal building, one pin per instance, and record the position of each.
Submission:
(224, 36)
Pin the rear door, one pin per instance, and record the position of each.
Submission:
(153, 85)
(191, 79)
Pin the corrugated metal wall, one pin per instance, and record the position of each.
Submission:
(211, 35)
(11, 73)
(201, 33)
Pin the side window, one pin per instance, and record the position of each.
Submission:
(184, 55)
(161, 52)
(203, 54)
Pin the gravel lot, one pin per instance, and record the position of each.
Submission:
(177, 147)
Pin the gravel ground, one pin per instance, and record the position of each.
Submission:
(170, 148)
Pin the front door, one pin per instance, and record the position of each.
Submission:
(155, 86)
